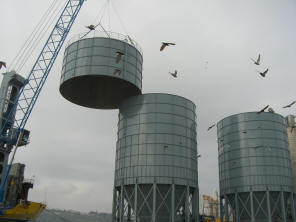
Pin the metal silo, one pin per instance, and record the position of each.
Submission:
(99, 72)
(255, 174)
(156, 160)
(291, 131)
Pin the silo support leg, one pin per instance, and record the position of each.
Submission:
(222, 209)
(236, 208)
(121, 205)
(136, 201)
(187, 213)
(195, 207)
(283, 207)
(114, 204)
(129, 210)
(292, 207)
(154, 203)
(268, 207)
(197, 203)
(226, 209)
(252, 207)
(173, 203)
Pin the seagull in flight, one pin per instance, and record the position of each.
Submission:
(256, 62)
(210, 127)
(263, 73)
(263, 110)
(291, 104)
(2, 64)
(91, 27)
(165, 44)
(117, 71)
(174, 74)
(118, 57)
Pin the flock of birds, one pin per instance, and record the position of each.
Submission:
(119, 56)
(162, 47)
(263, 74)
(263, 110)
(257, 62)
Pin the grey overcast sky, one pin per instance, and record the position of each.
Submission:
(72, 149)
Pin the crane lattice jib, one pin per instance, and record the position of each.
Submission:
(37, 77)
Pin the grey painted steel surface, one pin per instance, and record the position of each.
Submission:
(253, 151)
(291, 131)
(156, 160)
(156, 140)
(255, 174)
(89, 75)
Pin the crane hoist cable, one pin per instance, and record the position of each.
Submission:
(31, 36)
(107, 6)
(119, 18)
(99, 23)
(42, 33)
(101, 13)
(108, 12)
(122, 24)
(38, 33)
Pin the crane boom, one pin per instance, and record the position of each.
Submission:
(15, 122)
(37, 76)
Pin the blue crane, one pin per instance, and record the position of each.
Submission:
(13, 131)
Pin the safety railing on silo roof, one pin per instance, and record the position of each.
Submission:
(107, 34)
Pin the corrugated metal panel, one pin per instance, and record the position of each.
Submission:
(156, 160)
(291, 131)
(253, 152)
(91, 76)
(157, 140)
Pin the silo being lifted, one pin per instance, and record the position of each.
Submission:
(255, 174)
(102, 70)
(156, 160)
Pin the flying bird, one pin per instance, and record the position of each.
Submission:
(117, 71)
(263, 73)
(165, 44)
(263, 110)
(174, 74)
(291, 104)
(91, 27)
(118, 57)
(258, 60)
(270, 110)
(2, 64)
(210, 127)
